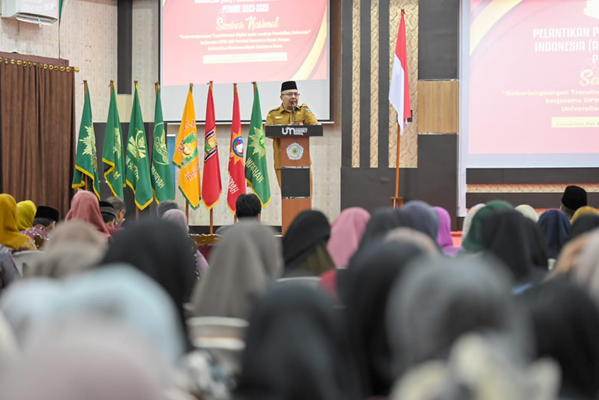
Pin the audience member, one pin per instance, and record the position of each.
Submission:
(418, 239)
(160, 249)
(528, 212)
(108, 213)
(305, 245)
(437, 302)
(65, 259)
(569, 256)
(178, 217)
(573, 198)
(8, 269)
(248, 206)
(586, 271)
(74, 232)
(378, 266)
(583, 224)
(383, 221)
(245, 262)
(555, 226)
(121, 209)
(165, 206)
(9, 233)
(583, 211)
(538, 244)
(566, 326)
(85, 206)
(472, 240)
(25, 214)
(424, 217)
(44, 222)
(468, 220)
(444, 238)
(296, 350)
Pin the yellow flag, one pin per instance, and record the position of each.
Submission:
(186, 154)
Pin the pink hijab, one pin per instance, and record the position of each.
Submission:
(346, 233)
(85, 206)
(444, 238)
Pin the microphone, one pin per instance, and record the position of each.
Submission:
(294, 113)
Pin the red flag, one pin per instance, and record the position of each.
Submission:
(399, 91)
(211, 185)
(236, 165)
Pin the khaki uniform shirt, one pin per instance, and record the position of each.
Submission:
(280, 116)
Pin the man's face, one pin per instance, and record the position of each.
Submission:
(51, 226)
(120, 217)
(289, 96)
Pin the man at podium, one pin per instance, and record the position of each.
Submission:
(288, 113)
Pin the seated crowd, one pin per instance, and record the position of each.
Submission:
(381, 305)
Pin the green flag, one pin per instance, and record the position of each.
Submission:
(86, 163)
(162, 181)
(256, 172)
(138, 167)
(113, 149)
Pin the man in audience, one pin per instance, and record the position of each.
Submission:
(247, 206)
(166, 206)
(121, 210)
(573, 198)
(44, 221)
(109, 217)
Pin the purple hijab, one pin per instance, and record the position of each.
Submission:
(444, 238)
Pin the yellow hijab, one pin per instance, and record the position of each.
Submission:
(9, 233)
(25, 214)
(582, 211)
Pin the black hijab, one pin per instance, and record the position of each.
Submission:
(583, 224)
(370, 277)
(295, 350)
(556, 226)
(309, 230)
(383, 221)
(566, 325)
(538, 244)
(506, 235)
(160, 249)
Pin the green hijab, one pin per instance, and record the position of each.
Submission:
(472, 242)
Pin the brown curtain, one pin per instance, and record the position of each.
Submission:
(37, 131)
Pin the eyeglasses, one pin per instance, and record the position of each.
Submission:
(291, 94)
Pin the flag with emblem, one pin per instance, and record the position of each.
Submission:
(236, 167)
(112, 156)
(256, 172)
(186, 154)
(86, 163)
(162, 181)
(138, 166)
(211, 183)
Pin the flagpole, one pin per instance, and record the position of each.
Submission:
(136, 207)
(84, 95)
(211, 221)
(397, 201)
(187, 202)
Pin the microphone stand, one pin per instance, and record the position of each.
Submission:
(294, 114)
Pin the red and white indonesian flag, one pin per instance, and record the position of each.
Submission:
(399, 91)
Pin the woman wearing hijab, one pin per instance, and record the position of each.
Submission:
(296, 350)
(538, 244)
(424, 216)
(437, 302)
(584, 211)
(506, 235)
(566, 326)
(585, 271)
(383, 221)
(75, 232)
(9, 232)
(528, 212)
(25, 214)
(555, 226)
(444, 238)
(65, 259)
(583, 224)
(8, 269)
(305, 245)
(178, 217)
(244, 263)
(85, 206)
(472, 240)
(107, 362)
(160, 249)
(346, 233)
(468, 220)
(370, 277)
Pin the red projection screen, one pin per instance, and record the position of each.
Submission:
(241, 41)
(530, 83)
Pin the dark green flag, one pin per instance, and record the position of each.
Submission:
(162, 181)
(113, 149)
(138, 166)
(86, 163)
(256, 172)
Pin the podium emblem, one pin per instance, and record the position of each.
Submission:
(295, 151)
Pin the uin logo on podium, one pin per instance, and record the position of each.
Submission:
(294, 131)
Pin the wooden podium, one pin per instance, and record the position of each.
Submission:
(296, 185)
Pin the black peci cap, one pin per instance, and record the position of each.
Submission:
(289, 85)
(47, 212)
(574, 197)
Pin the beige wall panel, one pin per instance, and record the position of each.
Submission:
(438, 106)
